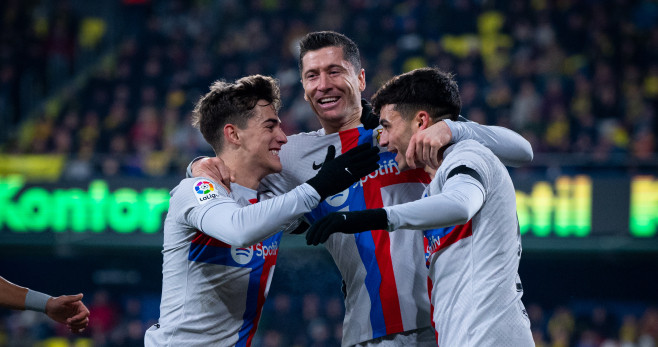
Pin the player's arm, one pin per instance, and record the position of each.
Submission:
(462, 197)
(511, 148)
(243, 226)
(66, 309)
(13, 296)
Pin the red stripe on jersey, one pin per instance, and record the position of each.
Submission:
(203, 239)
(349, 139)
(388, 290)
(267, 267)
(460, 232)
(407, 176)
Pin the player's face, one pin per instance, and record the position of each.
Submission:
(396, 133)
(333, 88)
(263, 138)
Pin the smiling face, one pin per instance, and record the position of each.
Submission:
(261, 140)
(396, 133)
(333, 88)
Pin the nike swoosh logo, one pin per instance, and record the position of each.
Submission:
(317, 166)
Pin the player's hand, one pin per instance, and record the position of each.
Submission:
(346, 222)
(337, 174)
(215, 169)
(426, 146)
(368, 119)
(70, 310)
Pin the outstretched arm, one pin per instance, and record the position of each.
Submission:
(241, 226)
(462, 197)
(511, 148)
(66, 309)
(11, 295)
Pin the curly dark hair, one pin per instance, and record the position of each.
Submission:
(428, 89)
(232, 103)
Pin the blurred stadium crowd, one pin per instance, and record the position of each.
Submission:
(114, 95)
(313, 320)
(111, 92)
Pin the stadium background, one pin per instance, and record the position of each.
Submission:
(95, 99)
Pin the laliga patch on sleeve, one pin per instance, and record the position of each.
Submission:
(204, 191)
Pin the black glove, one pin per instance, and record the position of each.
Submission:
(338, 174)
(368, 119)
(346, 222)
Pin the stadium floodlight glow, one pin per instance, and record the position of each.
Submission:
(97, 209)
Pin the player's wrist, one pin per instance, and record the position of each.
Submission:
(36, 301)
(374, 219)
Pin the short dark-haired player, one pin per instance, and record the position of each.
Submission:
(476, 291)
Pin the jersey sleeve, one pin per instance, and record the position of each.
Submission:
(456, 193)
(224, 219)
(511, 148)
(460, 200)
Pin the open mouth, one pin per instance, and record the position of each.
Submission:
(328, 100)
(274, 152)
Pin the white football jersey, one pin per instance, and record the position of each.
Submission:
(384, 274)
(212, 292)
(476, 291)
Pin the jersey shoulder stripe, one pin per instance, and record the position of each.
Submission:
(441, 238)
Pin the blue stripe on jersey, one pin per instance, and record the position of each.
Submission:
(365, 136)
(355, 201)
(433, 237)
(365, 244)
(256, 259)
(251, 310)
(251, 257)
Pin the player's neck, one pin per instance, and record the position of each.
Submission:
(244, 174)
(347, 123)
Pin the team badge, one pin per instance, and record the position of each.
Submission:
(204, 191)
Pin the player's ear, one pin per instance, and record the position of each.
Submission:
(422, 120)
(231, 134)
(362, 80)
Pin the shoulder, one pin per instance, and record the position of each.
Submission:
(198, 190)
(468, 150)
(467, 153)
(307, 135)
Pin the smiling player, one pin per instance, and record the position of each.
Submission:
(384, 273)
(220, 248)
(468, 214)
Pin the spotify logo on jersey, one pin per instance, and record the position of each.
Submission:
(242, 256)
